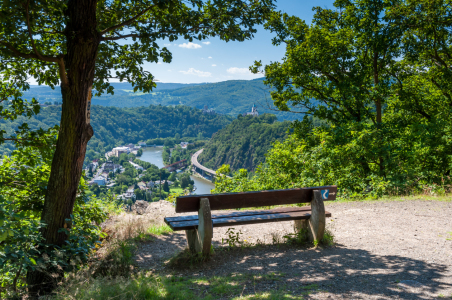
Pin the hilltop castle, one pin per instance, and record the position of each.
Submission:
(253, 112)
(208, 111)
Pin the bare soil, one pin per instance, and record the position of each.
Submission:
(383, 250)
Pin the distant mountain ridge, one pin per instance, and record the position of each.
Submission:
(230, 97)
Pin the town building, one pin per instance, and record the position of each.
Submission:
(109, 166)
(136, 166)
(93, 166)
(119, 150)
(253, 112)
(142, 144)
(100, 180)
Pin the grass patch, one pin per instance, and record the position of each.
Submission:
(159, 229)
(178, 190)
(117, 260)
(154, 230)
(148, 286)
(450, 238)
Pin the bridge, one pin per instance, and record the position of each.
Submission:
(200, 168)
(176, 165)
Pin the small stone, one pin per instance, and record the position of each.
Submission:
(140, 207)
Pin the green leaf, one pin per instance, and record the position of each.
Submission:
(3, 236)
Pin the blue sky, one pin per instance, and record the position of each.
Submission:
(214, 60)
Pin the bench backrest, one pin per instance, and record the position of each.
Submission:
(254, 199)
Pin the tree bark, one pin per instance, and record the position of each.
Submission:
(378, 109)
(77, 76)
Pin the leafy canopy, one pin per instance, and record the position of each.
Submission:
(381, 71)
(34, 37)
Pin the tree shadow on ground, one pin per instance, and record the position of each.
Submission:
(337, 272)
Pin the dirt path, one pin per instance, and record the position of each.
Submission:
(384, 250)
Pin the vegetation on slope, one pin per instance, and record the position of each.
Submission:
(244, 142)
(117, 126)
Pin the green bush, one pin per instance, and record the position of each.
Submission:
(22, 247)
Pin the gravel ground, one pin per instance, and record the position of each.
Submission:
(383, 250)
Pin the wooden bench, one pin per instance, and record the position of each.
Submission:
(199, 228)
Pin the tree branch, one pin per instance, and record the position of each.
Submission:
(27, 17)
(114, 38)
(29, 55)
(125, 23)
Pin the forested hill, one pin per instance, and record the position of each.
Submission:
(117, 126)
(244, 142)
(230, 97)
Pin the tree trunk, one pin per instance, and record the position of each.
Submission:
(77, 76)
(379, 111)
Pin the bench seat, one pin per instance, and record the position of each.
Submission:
(243, 217)
(199, 228)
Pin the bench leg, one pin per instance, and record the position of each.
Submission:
(192, 239)
(315, 225)
(317, 220)
(299, 225)
(200, 240)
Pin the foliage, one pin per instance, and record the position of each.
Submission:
(244, 142)
(115, 126)
(234, 238)
(81, 45)
(21, 199)
(117, 262)
(383, 87)
(185, 180)
(159, 230)
(166, 186)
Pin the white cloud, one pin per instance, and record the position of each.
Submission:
(166, 45)
(159, 63)
(193, 71)
(210, 57)
(206, 43)
(214, 65)
(235, 70)
(190, 45)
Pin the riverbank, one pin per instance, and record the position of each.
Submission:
(153, 155)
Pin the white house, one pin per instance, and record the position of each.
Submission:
(119, 150)
(99, 180)
(136, 166)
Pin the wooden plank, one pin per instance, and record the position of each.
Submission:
(317, 220)
(254, 199)
(243, 220)
(239, 213)
(205, 229)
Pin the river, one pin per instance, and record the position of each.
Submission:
(154, 156)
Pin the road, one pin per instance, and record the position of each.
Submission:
(194, 162)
